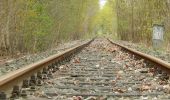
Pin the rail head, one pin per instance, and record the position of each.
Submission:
(162, 64)
(17, 73)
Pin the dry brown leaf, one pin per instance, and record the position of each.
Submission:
(152, 70)
(118, 77)
(76, 60)
(162, 82)
(113, 82)
(119, 90)
(91, 98)
(76, 82)
(77, 98)
(63, 67)
(145, 87)
(112, 49)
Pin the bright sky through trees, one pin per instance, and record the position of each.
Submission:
(102, 3)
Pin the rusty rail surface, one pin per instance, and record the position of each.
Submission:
(9, 77)
(161, 64)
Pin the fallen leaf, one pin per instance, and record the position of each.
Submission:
(76, 60)
(119, 90)
(63, 67)
(91, 98)
(145, 87)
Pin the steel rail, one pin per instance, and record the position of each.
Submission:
(161, 64)
(11, 76)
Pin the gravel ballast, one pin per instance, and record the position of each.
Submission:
(18, 63)
(156, 53)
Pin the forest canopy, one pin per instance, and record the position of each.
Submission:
(36, 25)
(29, 26)
(136, 18)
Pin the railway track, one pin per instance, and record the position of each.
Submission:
(102, 70)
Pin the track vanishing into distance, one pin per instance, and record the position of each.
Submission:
(97, 70)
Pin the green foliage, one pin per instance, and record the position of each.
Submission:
(136, 19)
(72, 17)
(105, 20)
(36, 25)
